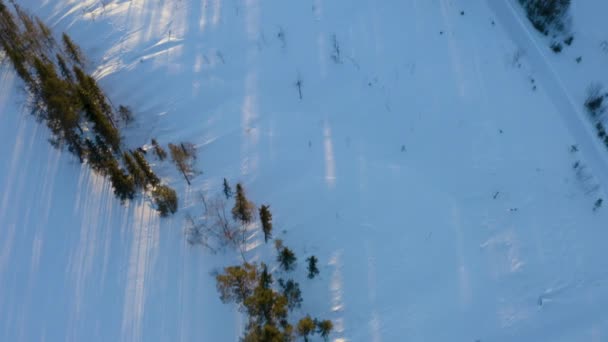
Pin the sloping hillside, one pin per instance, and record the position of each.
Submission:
(421, 149)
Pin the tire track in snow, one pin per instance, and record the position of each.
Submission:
(330, 164)
(454, 52)
(572, 114)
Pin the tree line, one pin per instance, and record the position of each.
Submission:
(74, 107)
(547, 16)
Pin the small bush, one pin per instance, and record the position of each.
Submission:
(556, 47)
(595, 100)
(597, 204)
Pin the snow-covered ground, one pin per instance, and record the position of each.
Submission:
(428, 168)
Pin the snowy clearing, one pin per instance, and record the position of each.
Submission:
(428, 165)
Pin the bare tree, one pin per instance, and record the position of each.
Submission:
(214, 229)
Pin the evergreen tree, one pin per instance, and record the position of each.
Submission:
(72, 49)
(64, 69)
(265, 277)
(243, 208)
(124, 186)
(139, 177)
(324, 328)
(291, 291)
(305, 327)
(94, 157)
(141, 161)
(46, 33)
(287, 259)
(165, 199)
(266, 333)
(227, 189)
(94, 105)
(266, 219)
(265, 306)
(312, 267)
(267, 309)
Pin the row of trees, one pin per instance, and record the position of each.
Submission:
(251, 286)
(75, 108)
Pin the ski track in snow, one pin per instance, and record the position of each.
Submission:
(419, 115)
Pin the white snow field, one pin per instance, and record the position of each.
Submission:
(433, 182)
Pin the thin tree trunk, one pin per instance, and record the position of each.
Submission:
(185, 175)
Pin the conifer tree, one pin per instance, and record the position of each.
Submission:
(287, 259)
(94, 109)
(124, 186)
(291, 291)
(265, 277)
(141, 161)
(243, 208)
(324, 328)
(72, 49)
(237, 283)
(305, 327)
(139, 177)
(227, 189)
(266, 219)
(165, 199)
(64, 69)
(312, 267)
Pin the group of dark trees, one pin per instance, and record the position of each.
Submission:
(547, 16)
(74, 107)
(82, 119)
(251, 286)
(268, 304)
(550, 17)
(594, 104)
